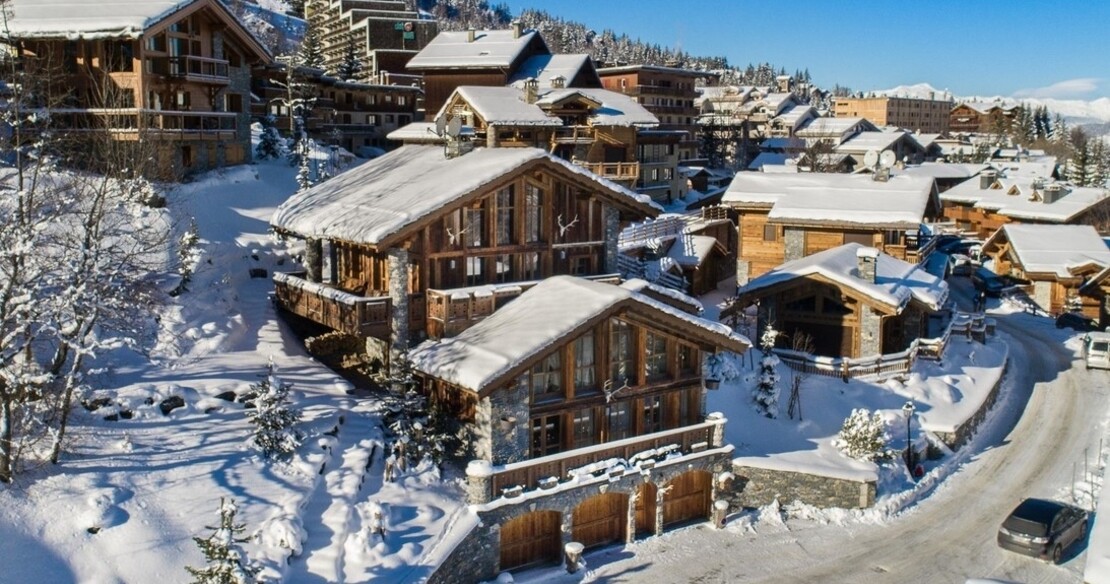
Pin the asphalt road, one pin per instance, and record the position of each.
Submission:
(1037, 435)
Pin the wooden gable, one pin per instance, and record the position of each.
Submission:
(228, 23)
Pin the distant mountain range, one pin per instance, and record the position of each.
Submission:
(1093, 115)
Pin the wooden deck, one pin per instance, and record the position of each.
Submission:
(342, 311)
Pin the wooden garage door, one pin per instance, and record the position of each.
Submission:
(531, 539)
(688, 499)
(601, 520)
(645, 510)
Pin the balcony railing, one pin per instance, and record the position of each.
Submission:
(193, 68)
(573, 135)
(185, 125)
(338, 310)
(615, 171)
(640, 451)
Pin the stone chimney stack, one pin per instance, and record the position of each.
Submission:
(986, 179)
(518, 29)
(531, 90)
(1053, 193)
(558, 82)
(867, 259)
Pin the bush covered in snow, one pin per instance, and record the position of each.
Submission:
(270, 142)
(864, 437)
(227, 564)
(273, 418)
(766, 392)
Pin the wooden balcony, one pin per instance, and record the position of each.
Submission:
(128, 123)
(621, 172)
(342, 311)
(573, 135)
(642, 451)
(193, 69)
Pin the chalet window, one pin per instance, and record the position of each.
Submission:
(892, 237)
(181, 100)
(234, 59)
(546, 435)
(234, 102)
(585, 370)
(475, 227)
(581, 265)
(503, 267)
(547, 379)
(620, 420)
(533, 214)
(652, 414)
(655, 356)
(620, 354)
(474, 271)
(156, 43)
(860, 237)
(770, 233)
(530, 269)
(585, 428)
(688, 360)
(505, 200)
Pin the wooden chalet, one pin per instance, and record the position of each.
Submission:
(982, 118)
(786, 216)
(594, 128)
(492, 58)
(418, 242)
(558, 384)
(1063, 263)
(170, 72)
(1026, 192)
(851, 301)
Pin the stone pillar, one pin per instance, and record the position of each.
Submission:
(720, 512)
(743, 272)
(660, 491)
(313, 260)
(794, 243)
(333, 264)
(718, 420)
(509, 431)
(871, 332)
(612, 219)
(630, 519)
(479, 482)
(573, 554)
(398, 261)
(491, 137)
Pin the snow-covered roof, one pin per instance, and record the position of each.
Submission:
(416, 132)
(506, 106)
(936, 170)
(807, 197)
(824, 127)
(797, 114)
(865, 141)
(1054, 249)
(87, 18)
(489, 49)
(764, 159)
(925, 140)
(985, 107)
(543, 68)
(1014, 197)
(896, 281)
(378, 200)
(690, 251)
(482, 355)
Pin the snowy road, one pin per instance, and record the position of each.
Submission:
(1051, 414)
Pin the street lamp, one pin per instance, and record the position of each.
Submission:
(908, 411)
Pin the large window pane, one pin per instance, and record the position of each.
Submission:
(585, 372)
(547, 379)
(620, 354)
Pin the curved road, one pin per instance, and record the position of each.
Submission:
(1038, 430)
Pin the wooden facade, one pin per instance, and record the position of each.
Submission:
(183, 83)
(995, 119)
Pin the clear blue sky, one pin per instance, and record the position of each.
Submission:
(1049, 48)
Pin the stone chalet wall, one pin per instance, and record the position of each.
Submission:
(478, 556)
(756, 487)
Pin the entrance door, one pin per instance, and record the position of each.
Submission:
(601, 520)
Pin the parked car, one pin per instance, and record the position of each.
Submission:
(1096, 350)
(1042, 529)
(988, 282)
(1076, 321)
(960, 265)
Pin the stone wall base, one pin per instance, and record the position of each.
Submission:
(756, 487)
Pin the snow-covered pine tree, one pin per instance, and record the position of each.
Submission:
(863, 436)
(304, 175)
(270, 144)
(188, 254)
(766, 392)
(312, 49)
(226, 562)
(274, 419)
(351, 66)
(417, 430)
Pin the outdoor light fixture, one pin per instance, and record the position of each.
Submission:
(908, 411)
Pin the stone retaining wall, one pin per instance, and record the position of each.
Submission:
(965, 431)
(756, 487)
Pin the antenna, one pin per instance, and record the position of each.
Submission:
(441, 125)
(870, 159)
(887, 159)
(454, 127)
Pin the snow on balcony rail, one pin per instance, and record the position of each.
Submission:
(293, 280)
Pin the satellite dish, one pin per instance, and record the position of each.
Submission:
(454, 127)
(441, 125)
(870, 159)
(887, 159)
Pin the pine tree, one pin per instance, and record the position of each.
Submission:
(227, 564)
(273, 418)
(351, 66)
(766, 392)
(269, 141)
(863, 436)
(304, 175)
(312, 50)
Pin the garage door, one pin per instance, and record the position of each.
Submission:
(601, 520)
(531, 539)
(688, 498)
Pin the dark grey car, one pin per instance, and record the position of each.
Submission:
(1042, 529)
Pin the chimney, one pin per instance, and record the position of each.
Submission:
(518, 29)
(986, 179)
(1054, 192)
(866, 260)
(531, 90)
(558, 82)
(470, 35)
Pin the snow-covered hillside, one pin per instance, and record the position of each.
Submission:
(1075, 111)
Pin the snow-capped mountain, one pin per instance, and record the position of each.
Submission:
(1076, 111)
